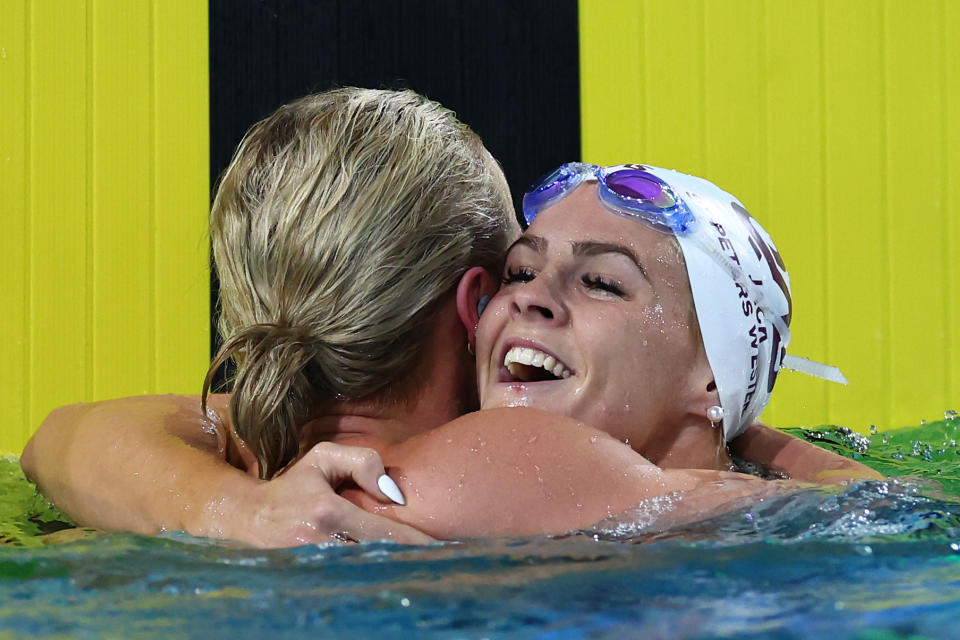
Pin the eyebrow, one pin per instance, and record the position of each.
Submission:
(598, 248)
(587, 248)
(536, 243)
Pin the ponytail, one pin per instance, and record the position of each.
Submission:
(272, 394)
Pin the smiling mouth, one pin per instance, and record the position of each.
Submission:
(531, 365)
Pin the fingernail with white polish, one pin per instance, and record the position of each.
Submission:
(390, 489)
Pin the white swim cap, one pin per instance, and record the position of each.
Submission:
(741, 292)
(741, 289)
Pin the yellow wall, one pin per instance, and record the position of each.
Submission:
(838, 126)
(837, 123)
(103, 200)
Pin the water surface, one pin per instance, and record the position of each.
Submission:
(873, 560)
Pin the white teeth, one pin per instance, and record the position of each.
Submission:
(534, 358)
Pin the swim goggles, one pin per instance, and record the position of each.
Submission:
(636, 191)
(627, 190)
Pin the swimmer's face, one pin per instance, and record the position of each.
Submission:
(603, 302)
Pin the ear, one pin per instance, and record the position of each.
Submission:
(474, 284)
(704, 393)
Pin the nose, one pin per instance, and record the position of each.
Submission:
(538, 301)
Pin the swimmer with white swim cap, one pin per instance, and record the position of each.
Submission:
(740, 293)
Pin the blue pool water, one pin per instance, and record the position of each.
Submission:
(872, 561)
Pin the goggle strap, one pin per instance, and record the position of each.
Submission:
(815, 369)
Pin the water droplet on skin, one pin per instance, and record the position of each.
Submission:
(594, 438)
(532, 440)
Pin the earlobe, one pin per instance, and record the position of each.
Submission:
(709, 399)
(705, 394)
(475, 285)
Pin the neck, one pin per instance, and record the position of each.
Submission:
(698, 445)
(446, 390)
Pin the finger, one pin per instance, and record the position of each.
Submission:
(358, 525)
(337, 462)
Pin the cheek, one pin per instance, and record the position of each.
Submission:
(650, 350)
(491, 322)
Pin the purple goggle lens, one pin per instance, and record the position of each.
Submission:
(642, 186)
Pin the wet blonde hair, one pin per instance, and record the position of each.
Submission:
(342, 218)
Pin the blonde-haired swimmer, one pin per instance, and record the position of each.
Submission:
(350, 295)
(340, 230)
(341, 223)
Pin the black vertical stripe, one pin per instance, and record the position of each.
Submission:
(509, 69)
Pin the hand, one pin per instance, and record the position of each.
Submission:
(301, 506)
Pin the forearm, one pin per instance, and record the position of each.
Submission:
(797, 458)
(138, 464)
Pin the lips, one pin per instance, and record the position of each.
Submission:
(528, 364)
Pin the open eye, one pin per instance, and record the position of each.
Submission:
(602, 283)
(518, 274)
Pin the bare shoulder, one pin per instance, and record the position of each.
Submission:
(512, 472)
(521, 436)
